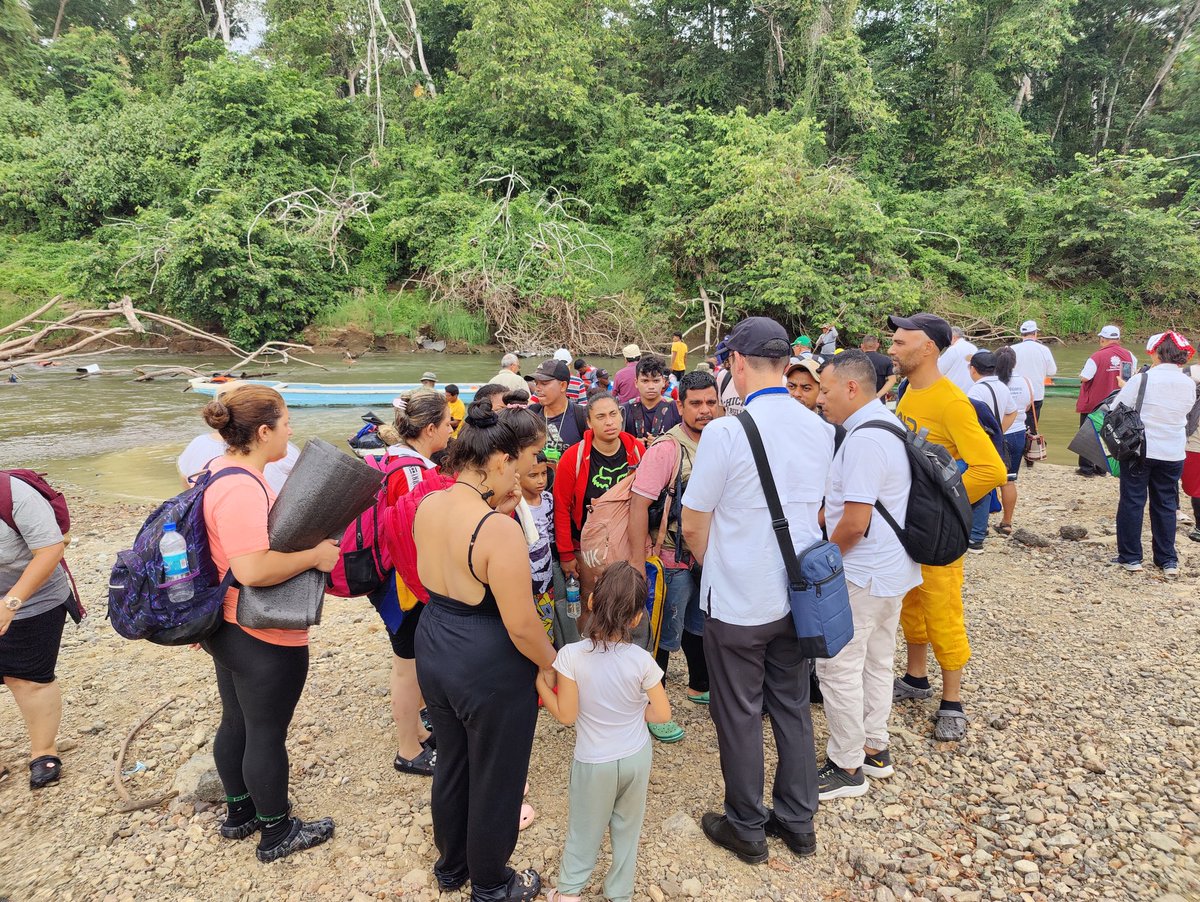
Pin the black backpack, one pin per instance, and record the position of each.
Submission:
(937, 524)
(1123, 432)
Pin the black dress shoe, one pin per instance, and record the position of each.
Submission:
(717, 828)
(801, 844)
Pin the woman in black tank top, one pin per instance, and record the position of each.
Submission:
(480, 644)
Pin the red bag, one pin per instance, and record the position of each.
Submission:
(364, 562)
(398, 530)
(62, 516)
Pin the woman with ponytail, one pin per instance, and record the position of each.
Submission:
(260, 673)
(480, 645)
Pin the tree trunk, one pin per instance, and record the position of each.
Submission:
(222, 21)
(1024, 92)
(1187, 23)
(1061, 110)
(58, 20)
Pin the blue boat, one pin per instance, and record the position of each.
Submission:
(319, 394)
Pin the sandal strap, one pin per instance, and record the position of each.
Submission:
(46, 761)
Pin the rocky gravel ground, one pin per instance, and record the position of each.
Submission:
(1077, 779)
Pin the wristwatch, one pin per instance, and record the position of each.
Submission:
(13, 603)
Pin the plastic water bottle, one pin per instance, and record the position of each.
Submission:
(175, 564)
(574, 609)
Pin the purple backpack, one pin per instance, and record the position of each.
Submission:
(138, 602)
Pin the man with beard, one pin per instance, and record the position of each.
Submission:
(932, 613)
(663, 474)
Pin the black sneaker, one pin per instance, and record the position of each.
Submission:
(303, 835)
(801, 844)
(718, 829)
(878, 764)
(421, 765)
(835, 783)
(975, 547)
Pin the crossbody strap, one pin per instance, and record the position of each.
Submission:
(1141, 395)
(779, 523)
(995, 404)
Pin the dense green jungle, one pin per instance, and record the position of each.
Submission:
(536, 172)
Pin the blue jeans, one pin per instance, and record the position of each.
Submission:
(681, 590)
(979, 524)
(1158, 482)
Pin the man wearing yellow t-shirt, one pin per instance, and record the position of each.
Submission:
(679, 351)
(458, 410)
(932, 613)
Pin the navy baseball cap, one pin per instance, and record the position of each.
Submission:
(935, 327)
(760, 336)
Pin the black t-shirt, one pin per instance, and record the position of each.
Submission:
(604, 471)
(564, 430)
(883, 367)
(642, 423)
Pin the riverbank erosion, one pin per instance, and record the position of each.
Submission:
(1077, 779)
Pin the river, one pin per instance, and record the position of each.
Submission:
(120, 438)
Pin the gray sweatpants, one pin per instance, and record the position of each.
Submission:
(747, 665)
(613, 796)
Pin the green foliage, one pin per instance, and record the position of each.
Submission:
(836, 160)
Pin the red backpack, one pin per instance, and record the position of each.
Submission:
(365, 562)
(62, 516)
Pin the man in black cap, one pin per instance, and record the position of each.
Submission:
(749, 637)
(565, 420)
(932, 613)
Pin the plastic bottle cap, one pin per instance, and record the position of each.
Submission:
(169, 527)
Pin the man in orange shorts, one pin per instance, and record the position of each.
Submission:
(932, 613)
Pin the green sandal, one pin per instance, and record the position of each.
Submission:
(700, 699)
(666, 732)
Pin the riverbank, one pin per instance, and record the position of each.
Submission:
(1077, 779)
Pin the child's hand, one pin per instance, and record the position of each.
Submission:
(547, 677)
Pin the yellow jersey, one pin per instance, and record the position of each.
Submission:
(946, 412)
(679, 351)
(458, 412)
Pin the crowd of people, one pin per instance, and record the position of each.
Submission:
(493, 498)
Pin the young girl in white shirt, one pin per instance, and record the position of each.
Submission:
(610, 690)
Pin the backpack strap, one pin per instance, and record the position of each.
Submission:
(234, 471)
(779, 523)
(901, 433)
(6, 502)
(580, 417)
(995, 403)
(1141, 395)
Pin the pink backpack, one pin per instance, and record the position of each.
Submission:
(605, 536)
(62, 516)
(365, 563)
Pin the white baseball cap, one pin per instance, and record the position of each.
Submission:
(1028, 327)
(1110, 332)
(563, 354)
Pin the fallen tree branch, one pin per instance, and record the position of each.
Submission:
(118, 780)
(13, 327)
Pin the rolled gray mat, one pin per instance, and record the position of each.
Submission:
(324, 493)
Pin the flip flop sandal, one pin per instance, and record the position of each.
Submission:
(1005, 529)
(528, 813)
(555, 896)
(43, 771)
(701, 699)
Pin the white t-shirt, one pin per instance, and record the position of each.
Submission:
(1170, 394)
(1089, 368)
(729, 397)
(1035, 363)
(871, 466)
(953, 363)
(612, 697)
(1021, 392)
(744, 581)
(204, 449)
(827, 342)
(1001, 405)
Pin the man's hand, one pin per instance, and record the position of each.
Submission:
(6, 618)
(570, 568)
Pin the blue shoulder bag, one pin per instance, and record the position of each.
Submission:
(817, 589)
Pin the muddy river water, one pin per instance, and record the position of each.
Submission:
(120, 438)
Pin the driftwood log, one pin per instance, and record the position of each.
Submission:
(25, 343)
(127, 803)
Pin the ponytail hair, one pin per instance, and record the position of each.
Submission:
(1006, 362)
(486, 432)
(416, 411)
(238, 412)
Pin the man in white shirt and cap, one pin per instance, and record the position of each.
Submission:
(1035, 363)
(953, 364)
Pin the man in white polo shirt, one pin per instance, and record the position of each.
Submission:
(871, 467)
(750, 639)
(955, 359)
(1035, 363)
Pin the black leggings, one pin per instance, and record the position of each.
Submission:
(483, 705)
(260, 684)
